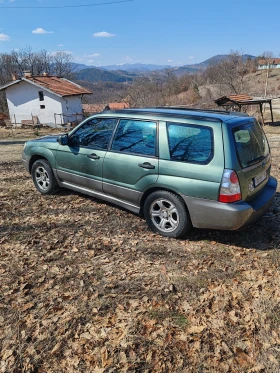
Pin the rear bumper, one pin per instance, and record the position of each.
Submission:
(230, 216)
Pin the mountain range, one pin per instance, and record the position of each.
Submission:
(128, 72)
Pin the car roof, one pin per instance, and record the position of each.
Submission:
(183, 112)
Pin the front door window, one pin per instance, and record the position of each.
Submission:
(95, 133)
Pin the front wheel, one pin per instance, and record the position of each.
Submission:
(43, 177)
(166, 214)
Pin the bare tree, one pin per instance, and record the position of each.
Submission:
(146, 91)
(229, 74)
(61, 64)
(16, 62)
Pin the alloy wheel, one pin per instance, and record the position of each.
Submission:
(164, 215)
(42, 178)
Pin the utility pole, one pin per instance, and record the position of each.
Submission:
(266, 80)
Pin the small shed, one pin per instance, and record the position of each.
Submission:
(236, 102)
(44, 100)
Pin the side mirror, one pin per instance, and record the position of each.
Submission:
(63, 139)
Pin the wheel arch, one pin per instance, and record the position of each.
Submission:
(41, 153)
(35, 158)
(155, 189)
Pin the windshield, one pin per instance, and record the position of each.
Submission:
(251, 144)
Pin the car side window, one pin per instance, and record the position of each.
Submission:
(190, 143)
(135, 137)
(95, 133)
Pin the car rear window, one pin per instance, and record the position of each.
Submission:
(251, 143)
(190, 143)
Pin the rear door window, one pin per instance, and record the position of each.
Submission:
(251, 144)
(135, 137)
(190, 143)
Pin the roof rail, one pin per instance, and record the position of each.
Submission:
(201, 110)
(151, 111)
(160, 111)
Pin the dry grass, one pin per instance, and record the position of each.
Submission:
(255, 82)
(86, 287)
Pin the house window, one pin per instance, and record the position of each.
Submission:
(42, 106)
(41, 96)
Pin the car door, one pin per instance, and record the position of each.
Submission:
(80, 162)
(131, 163)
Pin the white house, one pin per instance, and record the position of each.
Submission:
(44, 100)
(272, 63)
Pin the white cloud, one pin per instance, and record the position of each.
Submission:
(191, 57)
(40, 30)
(87, 58)
(102, 34)
(4, 37)
(57, 52)
(169, 61)
(127, 59)
(11, 1)
(60, 45)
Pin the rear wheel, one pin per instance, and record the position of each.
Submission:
(43, 177)
(166, 214)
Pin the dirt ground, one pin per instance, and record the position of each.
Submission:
(87, 287)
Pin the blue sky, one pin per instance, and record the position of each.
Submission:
(165, 32)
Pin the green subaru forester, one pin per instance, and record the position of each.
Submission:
(178, 167)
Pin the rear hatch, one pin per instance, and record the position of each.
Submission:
(253, 156)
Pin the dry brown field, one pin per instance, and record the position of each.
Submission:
(86, 287)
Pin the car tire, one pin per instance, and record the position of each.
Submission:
(167, 214)
(43, 177)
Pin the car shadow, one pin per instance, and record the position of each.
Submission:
(264, 234)
(272, 124)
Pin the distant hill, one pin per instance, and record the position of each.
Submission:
(136, 67)
(128, 72)
(190, 69)
(95, 75)
(218, 58)
(79, 66)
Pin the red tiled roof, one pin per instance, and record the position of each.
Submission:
(240, 100)
(97, 108)
(118, 105)
(241, 97)
(93, 108)
(272, 61)
(60, 86)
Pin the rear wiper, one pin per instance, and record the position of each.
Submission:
(256, 160)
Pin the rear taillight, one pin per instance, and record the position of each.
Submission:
(230, 188)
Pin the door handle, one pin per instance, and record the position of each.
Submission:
(93, 156)
(146, 165)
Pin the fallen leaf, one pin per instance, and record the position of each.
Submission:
(27, 306)
(196, 329)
